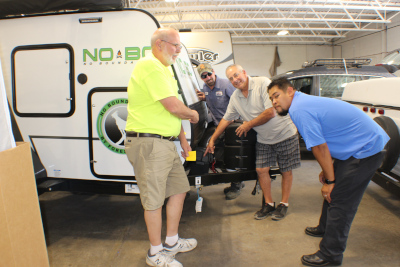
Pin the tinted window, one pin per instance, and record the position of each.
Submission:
(372, 77)
(333, 85)
(303, 84)
(393, 58)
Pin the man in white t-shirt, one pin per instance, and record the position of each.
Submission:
(277, 138)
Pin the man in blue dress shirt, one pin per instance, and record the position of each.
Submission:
(333, 129)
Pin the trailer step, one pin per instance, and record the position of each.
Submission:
(50, 185)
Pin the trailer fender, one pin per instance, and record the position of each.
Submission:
(393, 146)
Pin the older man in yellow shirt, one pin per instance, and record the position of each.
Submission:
(154, 121)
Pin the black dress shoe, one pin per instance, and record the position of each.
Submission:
(313, 231)
(314, 260)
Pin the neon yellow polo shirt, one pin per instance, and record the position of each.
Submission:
(150, 82)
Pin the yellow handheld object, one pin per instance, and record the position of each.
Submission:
(192, 156)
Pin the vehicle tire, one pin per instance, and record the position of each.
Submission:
(231, 139)
(393, 146)
(240, 157)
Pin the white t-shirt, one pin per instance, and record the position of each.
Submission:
(276, 129)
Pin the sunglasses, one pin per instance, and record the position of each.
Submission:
(203, 76)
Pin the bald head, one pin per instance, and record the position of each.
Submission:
(237, 67)
(163, 34)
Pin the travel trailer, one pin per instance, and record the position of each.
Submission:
(380, 100)
(66, 76)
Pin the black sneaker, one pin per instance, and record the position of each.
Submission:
(232, 194)
(227, 189)
(280, 212)
(234, 190)
(233, 186)
(264, 212)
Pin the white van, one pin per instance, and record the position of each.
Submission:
(66, 76)
(380, 99)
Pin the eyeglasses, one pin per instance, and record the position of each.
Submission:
(203, 76)
(177, 46)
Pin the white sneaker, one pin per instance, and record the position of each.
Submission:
(182, 245)
(162, 259)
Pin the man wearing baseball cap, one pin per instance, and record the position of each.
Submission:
(217, 92)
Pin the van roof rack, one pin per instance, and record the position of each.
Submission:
(338, 62)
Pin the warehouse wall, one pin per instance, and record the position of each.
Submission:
(372, 45)
(257, 59)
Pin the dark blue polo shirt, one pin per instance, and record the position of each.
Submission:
(217, 99)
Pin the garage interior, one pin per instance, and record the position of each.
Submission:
(87, 229)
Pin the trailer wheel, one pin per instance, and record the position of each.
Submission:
(219, 144)
(393, 146)
(206, 137)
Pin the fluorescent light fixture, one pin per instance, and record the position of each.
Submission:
(282, 32)
(171, 0)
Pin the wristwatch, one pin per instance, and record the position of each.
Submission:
(329, 181)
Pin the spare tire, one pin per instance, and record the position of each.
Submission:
(393, 146)
(231, 139)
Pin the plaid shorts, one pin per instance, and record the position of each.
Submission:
(286, 153)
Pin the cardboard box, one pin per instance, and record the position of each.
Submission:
(22, 241)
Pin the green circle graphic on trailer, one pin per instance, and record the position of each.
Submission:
(111, 123)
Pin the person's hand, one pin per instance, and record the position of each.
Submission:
(326, 191)
(243, 129)
(186, 148)
(195, 118)
(200, 95)
(210, 148)
(322, 177)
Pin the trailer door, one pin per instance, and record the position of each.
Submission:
(42, 84)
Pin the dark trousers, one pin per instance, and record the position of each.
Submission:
(352, 178)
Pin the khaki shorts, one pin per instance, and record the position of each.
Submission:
(158, 170)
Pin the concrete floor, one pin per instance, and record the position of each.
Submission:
(108, 230)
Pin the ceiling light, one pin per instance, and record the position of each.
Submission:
(283, 32)
(171, 0)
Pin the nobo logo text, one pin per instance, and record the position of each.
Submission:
(107, 54)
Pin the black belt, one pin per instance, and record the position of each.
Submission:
(135, 134)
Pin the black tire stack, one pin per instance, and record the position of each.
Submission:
(240, 152)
